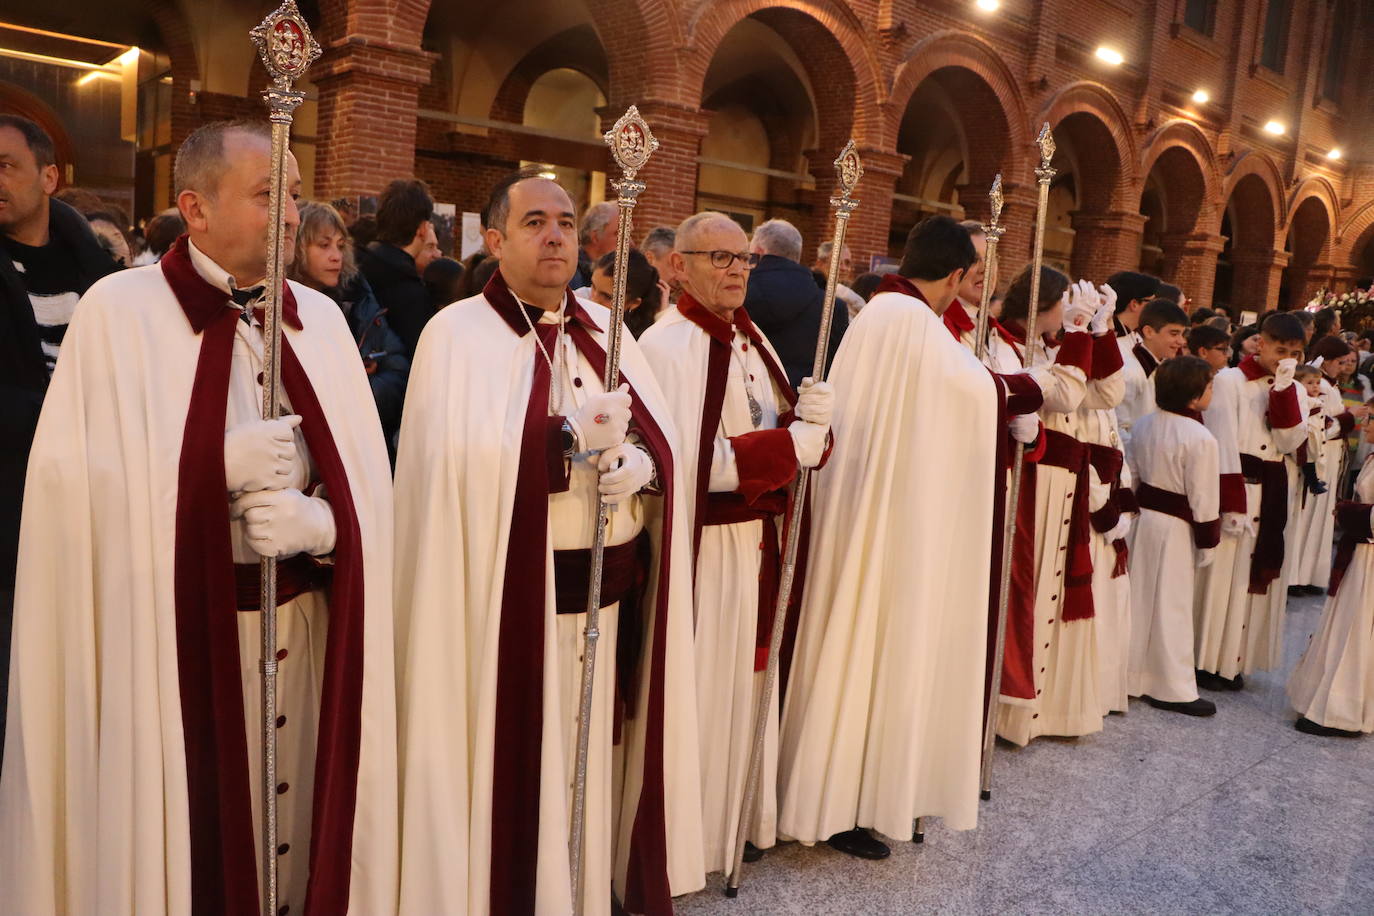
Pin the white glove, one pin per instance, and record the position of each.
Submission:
(1202, 558)
(808, 440)
(815, 401)
(603, 421)
(1102, 318)
(1122, 529)
(1234, 524)
(260, 454)
(625, 470)
(283, 523)
(1283, 375)
(1025, 428)
(1080, 304)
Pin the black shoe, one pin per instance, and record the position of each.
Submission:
(751, 852)
(1207, 680)
(1297, 591)
(1315, 590)
(1308, 727)
(1198, 707)
(860, 844)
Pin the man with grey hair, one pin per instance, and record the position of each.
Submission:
(852, 300)
(785, 302)
(595, 238)
(155, 486)
(657, 246)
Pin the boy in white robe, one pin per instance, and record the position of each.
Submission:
(1160, 335)
(1174, 459)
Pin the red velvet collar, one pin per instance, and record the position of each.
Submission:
(201, 300)
(1015, 330)
(896, 283)
(508, 307)
(957, 319)
(714, 325)
(1252, 368)
(1185, 412)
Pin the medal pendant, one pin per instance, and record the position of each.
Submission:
(755, 411)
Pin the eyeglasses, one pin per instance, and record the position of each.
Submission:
(721, 259)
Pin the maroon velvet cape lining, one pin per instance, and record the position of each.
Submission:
(1064, 451)
(224, 880)
(519, 688)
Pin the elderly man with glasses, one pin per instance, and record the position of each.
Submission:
(744, 433)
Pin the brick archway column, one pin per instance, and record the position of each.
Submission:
(1303, 283)
(1256, 276)
(1190, 263)
(1104, 243)
(1018, 219)
(871, 224)
(670, 178)
(368, 97)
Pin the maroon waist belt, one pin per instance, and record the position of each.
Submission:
(732, 508)
(1205, 534)
(622, 572)
(1353, 521)
(295, 576)
(1272, 477)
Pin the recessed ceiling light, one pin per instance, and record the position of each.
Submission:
(988, 6)
(1110, 55)
(1201, 97)
(1276, 128)
(1334, 154)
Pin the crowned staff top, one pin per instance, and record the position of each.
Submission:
(286, 45)
(631, 142)
(850, 169)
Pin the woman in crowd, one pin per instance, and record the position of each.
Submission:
(643, 293)
(324, 261)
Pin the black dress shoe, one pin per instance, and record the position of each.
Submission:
(751, 852)
(1297, 591)
(1210, 681)
(1308, 727)
(1198, 707)
(860, 844)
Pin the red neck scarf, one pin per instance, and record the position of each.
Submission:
(957, 319)
(224, 879)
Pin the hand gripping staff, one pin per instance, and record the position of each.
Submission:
(849, 169)
(288, 49)
(1043, 176)
(631, 145)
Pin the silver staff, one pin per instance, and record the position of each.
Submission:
(288, 49)
(992, 232)
(1043, 175)
(631, 145)
(850, 170)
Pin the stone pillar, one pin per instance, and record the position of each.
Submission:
(368, 97)
(671, 175)
(1304, 282)
(1105, 243)
(1190, 263)
(1256, 275)
(871, 225)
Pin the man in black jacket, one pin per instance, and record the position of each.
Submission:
(48, 258)
(785, 302)
(404, 231)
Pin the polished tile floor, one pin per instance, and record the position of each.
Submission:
(1158, 813)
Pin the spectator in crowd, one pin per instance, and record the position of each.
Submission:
(467, 283)
(852, 300)
(111, 236)
(1325, 323)
(482, 272)
(162, 230)
(443, 279)
(49, 256)
(1202, 315)
(1245, 342)
(1210, 344)
(390, 263)
(657, 245)
(596, 237)
(363, 232)
(1222, 323)
(430, 253)
(1173, 294)
(1133, 291)
(785, 302)
(865, 285)
(643, 292)
(324, 261)
(1306, 319)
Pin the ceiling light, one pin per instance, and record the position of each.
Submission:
(988, 6)
(1201, 97)
(129, 57)
(1275, 128)
(1110, 55)
(1334, 154)
(94, 75)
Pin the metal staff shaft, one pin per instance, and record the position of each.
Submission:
(287, 48)
(850, 169)
(992, 234)
(631, 145)
(1044, 175)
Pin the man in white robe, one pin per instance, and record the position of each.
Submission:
(744, 433)
(132, 768)
(882, 721)
(1257, 415)
(507, 445)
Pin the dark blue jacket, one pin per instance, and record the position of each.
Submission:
(785, 303)
(377, 343)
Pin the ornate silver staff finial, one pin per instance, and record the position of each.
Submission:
(996, 201)
(284, 41)
(631, 142)
(1046, 143)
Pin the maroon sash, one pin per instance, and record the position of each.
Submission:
(1107, 461)
(1205, 534)
(224, 879)
(1064, 451)
(1267, 562)
(1353, 520)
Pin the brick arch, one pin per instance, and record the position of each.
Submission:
(1263, 169)
(1319, 188)
(1356, 225)
(1191, 141)
(574, 49)
(1097, 102)
(397, 22)
(806, 25)
(963, 50)
(643, 60)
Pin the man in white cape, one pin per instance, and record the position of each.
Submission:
(507, 444)
(883, 717)
(744, 433)
(132, 767)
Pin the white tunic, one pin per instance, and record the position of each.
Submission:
(1139, 396)
(1333, 684)
(883, 717)
(1313, 525)
(1237, 632)
(1177, 454)
(727, 583)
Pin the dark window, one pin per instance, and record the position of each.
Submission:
(1275, 48)
(1200, 15)
(1337, 53)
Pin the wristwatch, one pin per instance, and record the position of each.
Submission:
(569, 440)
